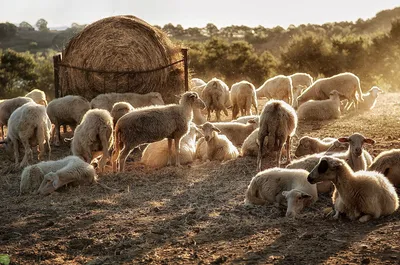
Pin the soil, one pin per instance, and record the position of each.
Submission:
(195, 214)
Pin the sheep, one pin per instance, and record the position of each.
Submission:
(278, 87)
(236, 132)
(198, 117)
(30, 126)
(7, 107)
(216, 97)
(370, 98)
(215, 146)
(155, 123)
(278, 121)
(321, 109)
(119, 109)
(360, 195)
(310, 145)
(346, 84)
(196, 82)
(250, 145)
(68, 110)
(243, 96)
(277, 184)
(94, 137)
(300, 81)
(388, 163)
(106, 101)
(245, 119)
(156, 154)
(38, 96)
(45, 177)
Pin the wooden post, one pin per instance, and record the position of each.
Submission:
(185, 64)
(57, 87)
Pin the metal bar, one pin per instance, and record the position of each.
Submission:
(56, 67)
(186, 68)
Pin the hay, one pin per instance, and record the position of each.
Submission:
(121, 43)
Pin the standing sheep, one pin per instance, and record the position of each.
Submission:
(310, 145)
(243, 96)
(388, 163)
(38, 96)
(321, 109)
(278, 121)
(152, 124)
(216, 97)
(300, 81)
(7, 107)
(236, 132)
(278, 87)
(360, 195)
(119, 109)
(107, 101)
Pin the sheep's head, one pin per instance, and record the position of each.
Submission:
(356, 142)
(304, 147)
(326, 169)
(193, 99)
(31, 178)
(374, 91)
(253, 123)
(156, 98)
(296, 201)
(50, 183)
(209, 131)
(335, 95)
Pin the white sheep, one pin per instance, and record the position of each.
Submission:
(38, 96)
(216, 97)
(94, 137)
(277, 184)
(321, 109)
(198, 117)
(150, 124)
(195, 82)
(360, 195)
(245, 119)
(388, 163)
(68, 110)
(278, 87)
(300, 81)
(311, 145)
(250, 145)
(278, 121)
(236, 132)
(243, 96)
(119, 109)
(370, 98)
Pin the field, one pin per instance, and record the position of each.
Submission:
(195, 215)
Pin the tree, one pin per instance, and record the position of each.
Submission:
(25, 26)
(193, 32)
(7, 30)
(41, 24)
(212, 29)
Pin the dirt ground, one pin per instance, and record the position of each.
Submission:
(195, 214)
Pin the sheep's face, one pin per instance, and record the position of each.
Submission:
(296, 201)
(335, 95)
(374, 91)
(209, 131)
(194, 100)
(156, 98)
(356, 142)
(325, 170)
(50, 183)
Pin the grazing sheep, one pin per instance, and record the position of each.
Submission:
(370, 98)
(152, 124)
(236, 132)
(119, 109)
(388, 163)
(216, 97)
(278, 87)
(321, 109)
(300, 81)
(243, 96)
(215, 146)
(156, 154)
(30, 126)
(107, 101)
(347, 84)
(67, 110)
(277, 184)
(38, 96)
(245, 119)
(278, 121)
(310, 145)
(360, 195)
(93, 137)
(7, 107)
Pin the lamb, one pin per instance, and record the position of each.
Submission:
(68, 110)
(38, 96)
(278, 121)
(156, 154)
(370, 98)
(119, 109)
(7, 107)
(152, 124)
(243, 95)
(245, 119)
(107, 101)
(321, 109)
(278, 87)
(276, 184)
(236, 132)
(346, 84)
(30, 126)
(216, 97)
(94, 137)
(388, 163)
(360, 195)
(215, 146)
(300, 81)
(310, 145)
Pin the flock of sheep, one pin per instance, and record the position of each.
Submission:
(108, 128)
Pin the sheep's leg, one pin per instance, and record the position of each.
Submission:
(177, 141)
(16, 151)
(169, 151)
(208, 114)
(279, 154)
(58, 134)
(28, 153)
(235, 111)
(260, 151)
(288, 149)
(114, 159)
(122, 157)
(105, 157)
(218, 114)
(2, 132)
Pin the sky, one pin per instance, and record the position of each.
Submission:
(197, 13)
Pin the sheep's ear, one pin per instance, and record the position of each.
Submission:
(285, 193)
(323, 166)
(369, 141)
(305, 196)
(343, 139)
(252, 121)
(216, 129)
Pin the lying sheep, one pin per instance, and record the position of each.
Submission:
(236, 132)
(7, 107)
(311, 145)
(300, 81)
(30, 126)
(278, 87)
(250, 145)
(276, 184)
(156, 154)
(321, 109)
(215, 146)
(38, 96)
(245, 119)
(119, 109)
(216, 97)
(152, 124)
(68, 110)
(243, 96)
(370, 98)
(94, 137)
(388, 163)
(107, 101)
(278, 121)
(360, 195)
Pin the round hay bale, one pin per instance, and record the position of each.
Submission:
(121, 43)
